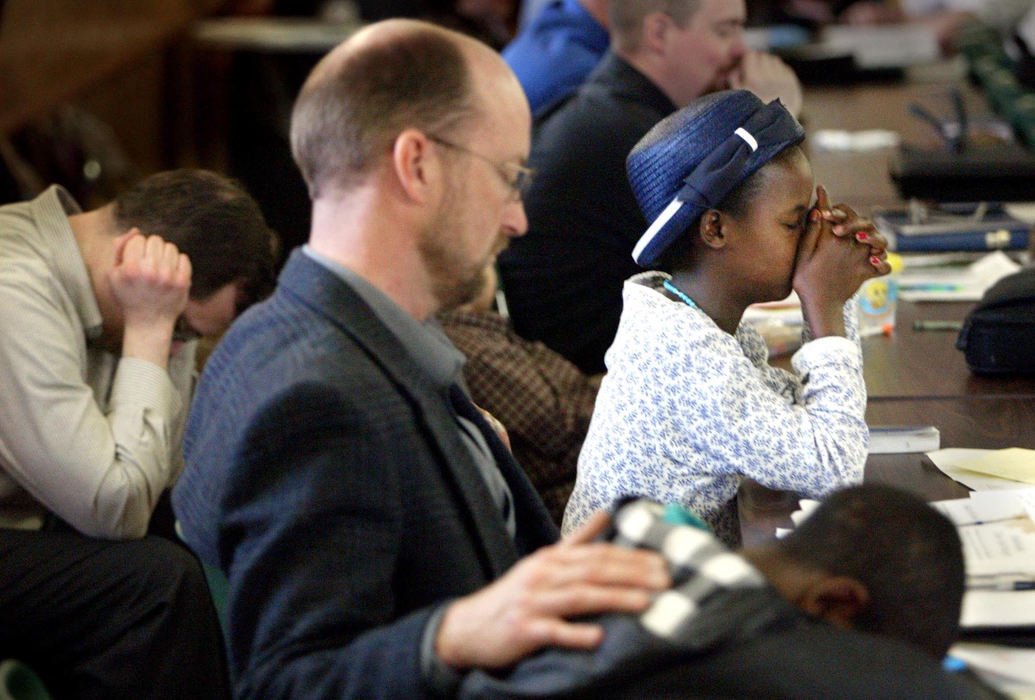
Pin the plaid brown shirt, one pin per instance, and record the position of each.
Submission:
(544, 401)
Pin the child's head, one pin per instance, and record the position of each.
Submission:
(715, 157)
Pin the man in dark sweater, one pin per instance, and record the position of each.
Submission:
(563, 280)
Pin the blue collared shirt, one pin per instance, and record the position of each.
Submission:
(555, 53)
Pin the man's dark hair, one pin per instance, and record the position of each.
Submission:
(360, 97)
(906, 554)
(213, 221)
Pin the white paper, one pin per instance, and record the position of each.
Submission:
(998, 609)
(1018, 501)
(1026, 497)
(946, 459)
(1000, 547)
(1023, 211)
(886, 45)
(805, 508)
(969, 284)
(863, 140)
(969, 511)
(1002, 663)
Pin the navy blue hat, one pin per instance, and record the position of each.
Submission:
(692, 159)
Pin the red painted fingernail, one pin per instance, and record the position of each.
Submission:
(875, 260)
(862, 236)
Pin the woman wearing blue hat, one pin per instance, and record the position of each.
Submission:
(690, 405)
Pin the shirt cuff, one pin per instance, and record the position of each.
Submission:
(142, 382)
(821, 349)
(442, 679)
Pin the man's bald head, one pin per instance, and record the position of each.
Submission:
(388, 77)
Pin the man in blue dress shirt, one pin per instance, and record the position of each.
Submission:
(558, 49)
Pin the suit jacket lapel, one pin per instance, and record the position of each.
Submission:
(332, 298)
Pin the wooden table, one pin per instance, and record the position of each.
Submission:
(861, 178)
(915, 364)
(918, 378)
(980, 422)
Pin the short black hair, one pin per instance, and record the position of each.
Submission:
(906, 553)
(213, 221)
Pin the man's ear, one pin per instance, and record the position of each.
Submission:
(711, 229)
(836, 599)
(413, 164)
(653, 31)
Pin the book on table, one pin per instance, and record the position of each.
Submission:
(891, 439)
(964, 227)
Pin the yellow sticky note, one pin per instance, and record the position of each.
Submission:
(1014, 463)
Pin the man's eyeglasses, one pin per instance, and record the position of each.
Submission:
(517, 177)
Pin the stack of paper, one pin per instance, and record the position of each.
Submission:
(952, 283)
(885, 46)
(997, 531)
(982, 470)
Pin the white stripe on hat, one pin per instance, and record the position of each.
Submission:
(748, 138)
(659, 222)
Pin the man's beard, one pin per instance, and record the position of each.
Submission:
(453, 284)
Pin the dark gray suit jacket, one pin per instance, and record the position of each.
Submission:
(327, 477)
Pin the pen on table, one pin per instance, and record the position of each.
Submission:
(923, 325)
(1002, 581)
(933, 287)
(1000, 585)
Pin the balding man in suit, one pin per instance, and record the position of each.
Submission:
(378, 537)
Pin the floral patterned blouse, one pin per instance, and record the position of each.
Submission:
(687, 410)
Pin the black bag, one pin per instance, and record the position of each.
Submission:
(998, 335)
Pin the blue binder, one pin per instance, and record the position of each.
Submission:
(991, 228)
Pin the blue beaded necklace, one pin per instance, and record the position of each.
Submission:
(667, 284)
